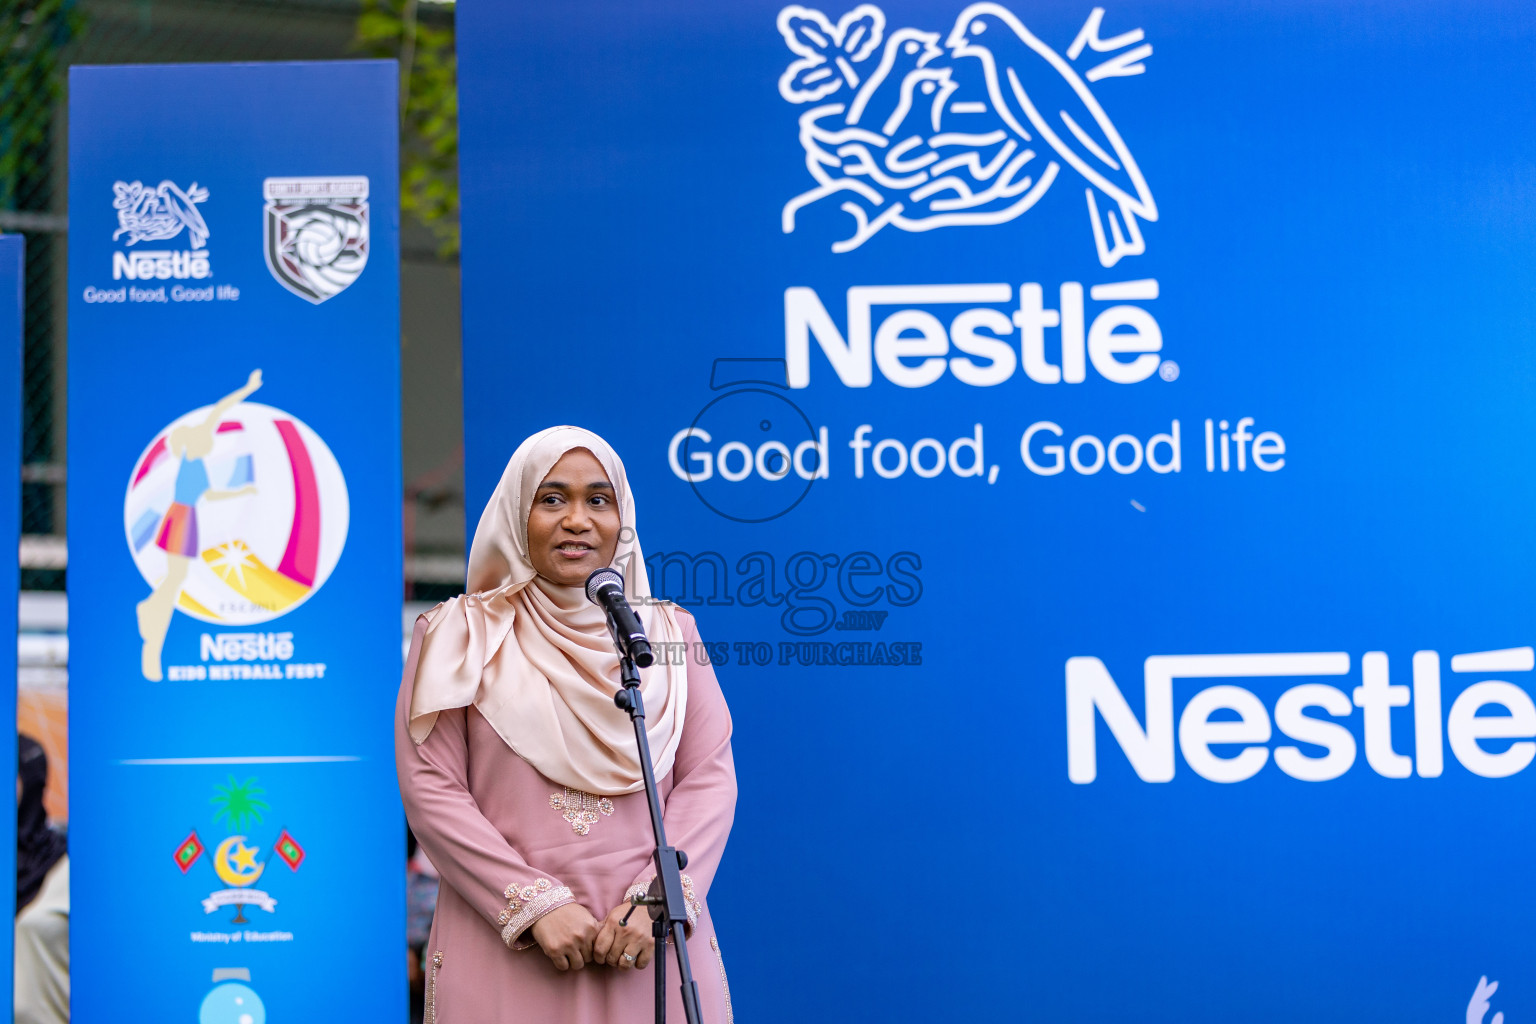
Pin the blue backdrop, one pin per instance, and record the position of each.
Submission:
(1134, 337)
(12, 290)
(235, 543)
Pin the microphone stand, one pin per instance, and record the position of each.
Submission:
(667, 907)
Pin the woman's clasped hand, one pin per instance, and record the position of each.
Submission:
(572, 938)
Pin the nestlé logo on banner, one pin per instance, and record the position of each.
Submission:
(159, 214)
(905, 145)
(920, 131)
(1225, 731)
(162, 213)
(917, 138)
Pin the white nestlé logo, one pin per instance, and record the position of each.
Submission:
(159, 214)
(1477, 1006)
(1225, 717)
(316, 236)
(917, 138)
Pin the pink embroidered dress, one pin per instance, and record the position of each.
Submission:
(512, 846)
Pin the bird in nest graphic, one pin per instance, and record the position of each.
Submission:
(918, 139)
(902, 61)
(156, 214)
(1478, 1006)
(1032, 86)
(886, 142)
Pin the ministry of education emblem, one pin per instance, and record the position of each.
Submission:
(316, 234)
(237, 861)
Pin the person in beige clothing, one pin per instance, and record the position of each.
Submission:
(42, 898)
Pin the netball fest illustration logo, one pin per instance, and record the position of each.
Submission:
(236, 513)
(918, 131)
(316, 234)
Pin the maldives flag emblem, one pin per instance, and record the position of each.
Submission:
(187, 853)
(289, 849)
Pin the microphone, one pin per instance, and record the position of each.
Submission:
(605, 588)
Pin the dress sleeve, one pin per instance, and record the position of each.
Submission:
(471, 853)
(702, 803)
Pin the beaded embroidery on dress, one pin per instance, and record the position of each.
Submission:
(429, 1013)
(714, 944)
(526, 904)
(581, 809)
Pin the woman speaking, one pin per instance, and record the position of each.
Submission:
(521, 778)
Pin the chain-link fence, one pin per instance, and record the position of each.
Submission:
(40, 39)
(34, 40)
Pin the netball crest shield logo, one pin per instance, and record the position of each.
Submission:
(316, 238)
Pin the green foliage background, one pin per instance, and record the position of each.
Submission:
(31, 38)
(429, 122)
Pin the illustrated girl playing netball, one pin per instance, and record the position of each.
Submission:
(177, 535)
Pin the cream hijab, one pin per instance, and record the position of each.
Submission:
(535, 657)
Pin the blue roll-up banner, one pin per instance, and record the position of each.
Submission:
(12, 298)
(1096, 442)
(234, 530)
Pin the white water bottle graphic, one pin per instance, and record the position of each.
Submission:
(232, 1000)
